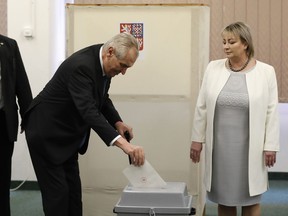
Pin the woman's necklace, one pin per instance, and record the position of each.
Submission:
(242, 68)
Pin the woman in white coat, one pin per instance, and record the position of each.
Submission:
(236, 118)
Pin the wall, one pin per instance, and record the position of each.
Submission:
(41, 53)
(267, 19)
(3, 17)
(282, 159)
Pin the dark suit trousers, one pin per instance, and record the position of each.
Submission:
(6, 151)
(60, 184)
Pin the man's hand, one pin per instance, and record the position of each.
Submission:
(135, 152)
(122, 128)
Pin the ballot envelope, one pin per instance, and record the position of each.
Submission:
(171, 200)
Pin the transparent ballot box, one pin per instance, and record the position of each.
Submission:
(171, 200)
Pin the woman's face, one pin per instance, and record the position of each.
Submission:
(233, 46)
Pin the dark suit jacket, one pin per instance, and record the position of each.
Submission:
(72, 102)
(15, 85)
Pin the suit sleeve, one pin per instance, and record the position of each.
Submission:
(82, 87)
(23, 90)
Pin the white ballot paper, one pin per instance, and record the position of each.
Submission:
(144, 176)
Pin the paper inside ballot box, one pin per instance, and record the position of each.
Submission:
(144, 177)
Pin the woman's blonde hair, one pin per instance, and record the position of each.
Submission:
(243, 31)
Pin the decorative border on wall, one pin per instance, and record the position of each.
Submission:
(3, 17)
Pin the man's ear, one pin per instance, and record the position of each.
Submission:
(110, 52)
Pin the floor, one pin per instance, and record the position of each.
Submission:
(274, 202)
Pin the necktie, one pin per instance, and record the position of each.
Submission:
(105, 80)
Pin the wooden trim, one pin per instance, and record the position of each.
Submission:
(140, 4)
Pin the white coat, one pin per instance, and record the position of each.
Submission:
(263, 118)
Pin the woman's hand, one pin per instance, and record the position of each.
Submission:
(270, 158)
(195, 151)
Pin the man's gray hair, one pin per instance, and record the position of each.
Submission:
(122, 43)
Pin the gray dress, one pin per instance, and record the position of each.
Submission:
(231, 144)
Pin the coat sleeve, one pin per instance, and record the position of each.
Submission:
(200, 115)
(272, 115)
(23, 90)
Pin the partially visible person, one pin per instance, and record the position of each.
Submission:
(15, 94)
(58, 122)
(236, 118)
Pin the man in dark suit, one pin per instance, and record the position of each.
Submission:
(58, 122)
(14, 85)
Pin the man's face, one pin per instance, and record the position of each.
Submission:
(114, 66)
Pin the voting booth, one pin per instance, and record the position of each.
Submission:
(156, 96)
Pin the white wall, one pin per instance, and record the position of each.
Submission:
(42, 53)
(282, 156)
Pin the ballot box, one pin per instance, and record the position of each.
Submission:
(171, 200)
